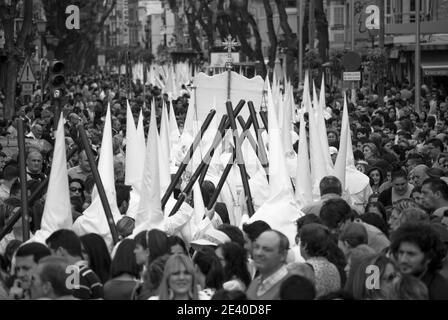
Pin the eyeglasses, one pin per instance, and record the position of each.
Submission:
(74, 189)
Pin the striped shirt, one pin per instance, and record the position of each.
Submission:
(90, 286)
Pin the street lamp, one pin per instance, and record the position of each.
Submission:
(41, 28)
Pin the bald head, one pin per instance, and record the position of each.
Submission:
(269, 251)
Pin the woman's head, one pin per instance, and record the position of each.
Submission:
(177, 245)
(157, 244)
(208, 268)
(399, 207)
(370, 150)
(376, 177)
(94, 250)
(150, 245)
(233, 259)
(123, 261)
(141, 250)
(409, 288)
(378, 209)
(380, 273)
(179, 280)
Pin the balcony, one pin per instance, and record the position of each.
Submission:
(403, 23)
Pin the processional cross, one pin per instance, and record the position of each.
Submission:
(229, 44)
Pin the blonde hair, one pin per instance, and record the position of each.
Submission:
(173, 265)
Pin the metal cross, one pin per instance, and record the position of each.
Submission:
(230, 44)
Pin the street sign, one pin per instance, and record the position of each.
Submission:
(352, 76)
(27, 89)
(351, 61)
(26, 74)
(101, 60)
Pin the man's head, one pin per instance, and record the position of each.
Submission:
(335, 213)
(34, 161)
(74, 119)
(417, 248)
(251, 232)
(418, 175)
(435, 193)
(330, 185)
(37, 131)
(269, 252)
(50, 278)
(84, 162)
(400, 182)
(65, 243)
(434, 148)
(27, 258)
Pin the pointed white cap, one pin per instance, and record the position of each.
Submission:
(150, 214)
(94, 219)
(57, 211)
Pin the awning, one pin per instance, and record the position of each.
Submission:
(435, 63)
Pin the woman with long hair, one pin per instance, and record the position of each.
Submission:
(320, 251)
(150, 245)
(380, 272)
(376, 179)
(233, 258)
(124, 272)
(95, 252)
(179, 280)
(209, 272)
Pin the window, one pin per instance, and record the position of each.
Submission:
(339, 37)
(337, 17)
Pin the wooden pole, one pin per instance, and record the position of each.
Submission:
(240, 160)
(207, 158)
(99, 183)
(417, 58)
(189, 156)
(23, 180)
(37, 194)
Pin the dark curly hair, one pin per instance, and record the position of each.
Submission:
(426, 238)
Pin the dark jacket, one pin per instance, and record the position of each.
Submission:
(437, 285)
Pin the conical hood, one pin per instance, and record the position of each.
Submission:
(57, 211)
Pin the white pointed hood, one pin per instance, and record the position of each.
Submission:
(304, 186)
(134, 164)
(94, 219)
(280, 211)
(150, 214)
(57, 211)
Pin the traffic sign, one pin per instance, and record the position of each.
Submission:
(352, 76)
(351, 61)
(27, 89)
(26, 75)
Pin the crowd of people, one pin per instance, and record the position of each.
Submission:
(394, 248)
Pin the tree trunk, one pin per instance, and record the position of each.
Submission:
(291, 39)
(271, 33)
(191, 22)
(15, 50)
(322, 30)
(258, 42)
